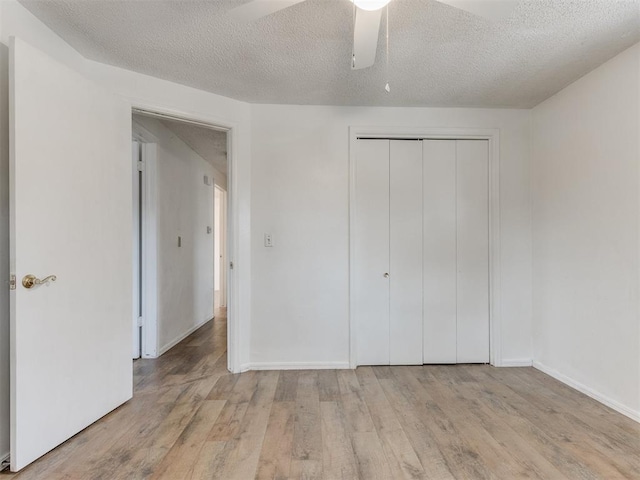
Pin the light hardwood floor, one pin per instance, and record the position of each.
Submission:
(191, 419)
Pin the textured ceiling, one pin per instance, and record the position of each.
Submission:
(209, 144)
(440, 56)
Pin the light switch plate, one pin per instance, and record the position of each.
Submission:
(268, 240)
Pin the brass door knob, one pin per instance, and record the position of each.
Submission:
(30, 281)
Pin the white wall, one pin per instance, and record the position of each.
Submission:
(184, 207)
(220, 179)
(585, 191)
(300, 179)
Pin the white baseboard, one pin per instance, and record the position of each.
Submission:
(609, 402)
(179, 338)
(517, 362)
(524, 362)
(298, 366)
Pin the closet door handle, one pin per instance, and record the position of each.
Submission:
(386, 275)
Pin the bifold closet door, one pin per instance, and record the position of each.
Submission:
(439, 265)
(388, 252)
(456, 251)
(405, 198)
(371, 252)
(421, 252)
(472, 220)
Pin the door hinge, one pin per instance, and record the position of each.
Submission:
(231, 265)
(12, 282)
(140, 166)
(140, 321)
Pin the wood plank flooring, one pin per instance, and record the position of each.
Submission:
(191, 419)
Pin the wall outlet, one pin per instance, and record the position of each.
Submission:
(268, 240)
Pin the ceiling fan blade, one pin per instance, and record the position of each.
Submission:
(365, 38)
(490, 9)
(252, 11)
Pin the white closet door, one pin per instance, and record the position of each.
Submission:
(473, 251)
(405, 200)
(439, 265)
(371, 256)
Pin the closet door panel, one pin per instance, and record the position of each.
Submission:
(439, 247)
(406, 252)
(473, 251)
(371, 256)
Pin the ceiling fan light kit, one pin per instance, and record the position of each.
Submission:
(368, 17)
(371, 5)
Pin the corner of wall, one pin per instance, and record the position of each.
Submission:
(582, 156)
(590, 392)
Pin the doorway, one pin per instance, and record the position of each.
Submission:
(180, 182)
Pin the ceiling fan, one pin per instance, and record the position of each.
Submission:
(368, 15)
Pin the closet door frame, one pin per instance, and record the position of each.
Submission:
(493, 137)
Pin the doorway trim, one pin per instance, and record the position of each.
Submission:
(427, 133)
(232, 237)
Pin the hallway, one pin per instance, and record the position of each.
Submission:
(191, 419)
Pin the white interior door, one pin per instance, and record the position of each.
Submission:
(371, 255)
(473, 251)
(71, 216)
(405, 231)
(439, 266)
